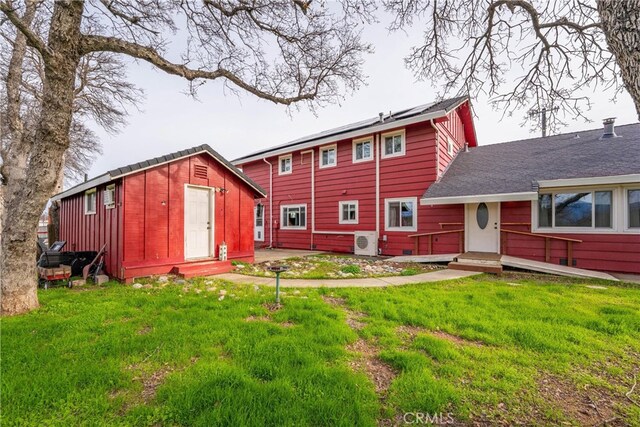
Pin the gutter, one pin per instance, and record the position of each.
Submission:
(347, 135)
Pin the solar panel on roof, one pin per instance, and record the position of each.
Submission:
(412, 112)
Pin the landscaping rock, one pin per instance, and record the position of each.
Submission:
(222, 292)
(137, 286)
(101, 278)
(163, 279)
(79, 282)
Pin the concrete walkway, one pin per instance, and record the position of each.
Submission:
(370, 282)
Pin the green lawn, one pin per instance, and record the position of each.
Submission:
(479, 349)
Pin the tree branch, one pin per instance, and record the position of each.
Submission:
(90, 43)
(33, 39)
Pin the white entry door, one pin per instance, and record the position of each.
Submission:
(198, 227)
(258, 226)
(482, 227)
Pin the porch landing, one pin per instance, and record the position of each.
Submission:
(477, 261)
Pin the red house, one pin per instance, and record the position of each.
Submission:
(176, 213)
(414, 182)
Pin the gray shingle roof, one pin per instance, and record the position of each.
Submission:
(445, 106)
(512, 167)
(125, 170)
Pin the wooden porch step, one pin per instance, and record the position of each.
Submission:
(495, 268)
(203, 268)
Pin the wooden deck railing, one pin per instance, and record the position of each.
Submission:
(547, 243)
(429, 237)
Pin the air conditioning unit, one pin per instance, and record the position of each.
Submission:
(365, 243)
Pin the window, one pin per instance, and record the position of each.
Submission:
(348, 212)
(401, 214)
(285, 165)
(362, 150)
(589, 209)
(110, 196)
(90, 202)
(450, 146)
(393, 144)
(633, 208)
(293, 217)
(328, 156)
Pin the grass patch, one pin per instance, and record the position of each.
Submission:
(479, 349)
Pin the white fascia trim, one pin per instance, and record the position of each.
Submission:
(501, 197)
(83, 187)
(596, 180)
(347, 135)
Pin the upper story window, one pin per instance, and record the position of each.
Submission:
(362, 150)
(450, 146)
(633, 208)
(293, 217)
(328, 156)
(393, 144)
(348, 211)
(90, 202)
(401, 214)
(109, 196)
(285, 164)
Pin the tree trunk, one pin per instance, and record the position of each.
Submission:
(621, 25)
(25, 204)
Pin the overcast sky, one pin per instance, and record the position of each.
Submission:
(235, 126)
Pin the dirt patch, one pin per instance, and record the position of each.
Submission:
(257, 319)
(151, 383)
(378, 372)
(588, 405)
(272, 306)
(287, 324)
(413, 331)
(145, 330)
(353, 318)
(335, 301)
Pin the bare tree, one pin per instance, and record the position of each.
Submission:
(563, 48)
(285, 51)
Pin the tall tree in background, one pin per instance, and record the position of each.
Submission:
(562, 47)
(286, 51)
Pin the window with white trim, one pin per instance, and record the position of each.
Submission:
(328, 156)
(401, 214)
(579, 209)
(90, 202)
(362, 150)
(450, 146)
(393, 144)
(293, 217)
(348, 212)
(285, 164)
(109, 196)
(633, 208)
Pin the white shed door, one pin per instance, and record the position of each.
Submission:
(198, 225)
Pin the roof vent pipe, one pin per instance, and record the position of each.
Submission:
(609, 128)
(466, 147)
(381, 119)
(86, 177)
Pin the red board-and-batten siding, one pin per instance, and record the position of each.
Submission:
(403, 176)
(146, 236)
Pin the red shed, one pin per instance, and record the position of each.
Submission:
(175, 213)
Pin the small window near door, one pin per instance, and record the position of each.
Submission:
(90, 202)
(293, 217)
(348, 212)
(401, 214)
(259, 215)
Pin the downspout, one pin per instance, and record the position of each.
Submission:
(313, 193)
(270, 203)
(377, 155)
(433, 125)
